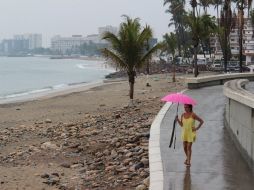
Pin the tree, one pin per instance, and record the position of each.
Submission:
(205, 4)
(227, 22)
(200, 27)
(216, 4)
(176, 9)
(170, 45)
(128, 48)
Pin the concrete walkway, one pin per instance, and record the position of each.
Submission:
(216, 164)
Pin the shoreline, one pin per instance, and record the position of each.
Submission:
(30, 89)
(82, 87)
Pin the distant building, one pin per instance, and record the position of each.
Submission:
(34, 40)
(153, 42)
(62, 45)
(248, 42)
(7, 46)
(21, 44)
(15, 46)
(93, 38)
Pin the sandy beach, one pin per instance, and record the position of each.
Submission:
(81, 138)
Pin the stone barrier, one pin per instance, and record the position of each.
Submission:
(239, 117)
(212, 80)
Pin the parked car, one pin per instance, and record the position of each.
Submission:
(249, 68)
(216, 67)
(233, 66)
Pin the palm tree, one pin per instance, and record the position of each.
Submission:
(193, 4)
(205, 4)
(176, 9)
(241, 5)
(216, 4)
(210, 27)
(206, 43)
(201, 27)
(148, 60)
(128, 48)
(227, 22)
(170, 45)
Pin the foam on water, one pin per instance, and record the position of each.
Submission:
(59, 86)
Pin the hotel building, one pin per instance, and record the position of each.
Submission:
(62, 45)
(248, 43)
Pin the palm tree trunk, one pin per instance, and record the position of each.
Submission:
(226, 12)
(174, 70)
(131, 90)
(148, 67)
(195, 60)
(178, 42)
(131, 75)
(218, 16)
(147, 72)
(195, 51)
(225, 50)
(241, 37)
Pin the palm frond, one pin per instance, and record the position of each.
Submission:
(145, 35)
(149, 53)
(116, 60)
(112, 39)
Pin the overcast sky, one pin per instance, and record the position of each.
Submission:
(67, 17)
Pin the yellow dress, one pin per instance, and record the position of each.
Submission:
(187, 134)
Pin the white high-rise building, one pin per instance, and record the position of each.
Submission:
(63, 44)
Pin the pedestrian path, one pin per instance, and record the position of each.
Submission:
(216, 163)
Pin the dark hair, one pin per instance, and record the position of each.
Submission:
(190, 106)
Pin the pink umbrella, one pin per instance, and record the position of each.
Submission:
(179, 98)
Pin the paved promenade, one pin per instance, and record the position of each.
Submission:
(216, 164)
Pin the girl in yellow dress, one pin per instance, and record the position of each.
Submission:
(188, 135)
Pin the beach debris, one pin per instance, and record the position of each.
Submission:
(65, 165)
(49, 145)
(141, 187)
(48, 121)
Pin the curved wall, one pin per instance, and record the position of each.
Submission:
(239, 117)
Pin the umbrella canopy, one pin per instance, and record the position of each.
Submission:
(179, 98)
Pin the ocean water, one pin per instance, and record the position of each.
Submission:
(23, 76)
